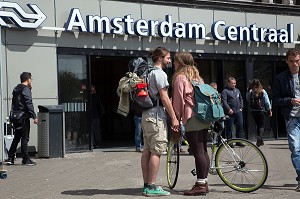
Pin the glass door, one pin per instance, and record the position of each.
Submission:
(73, 95)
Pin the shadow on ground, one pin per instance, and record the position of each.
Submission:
(92, 192)
(137, 191)
(126, 191)
(284, 186)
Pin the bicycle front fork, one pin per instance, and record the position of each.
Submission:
(212, 169)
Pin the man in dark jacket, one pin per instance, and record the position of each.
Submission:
(22, 101)
(286, 94)
(233, 107)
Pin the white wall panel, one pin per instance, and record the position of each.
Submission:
(198, 16)
(281, 23)
(112, 9)
(76, 39)
(261, 48)
(40, 61)
(154, 12)
(231, 18)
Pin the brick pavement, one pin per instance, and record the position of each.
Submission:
(116, 173)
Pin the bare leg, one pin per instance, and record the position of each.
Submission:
(150, 166)
(153, 167)
(145, 164)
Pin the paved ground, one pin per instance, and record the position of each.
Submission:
(116, 173)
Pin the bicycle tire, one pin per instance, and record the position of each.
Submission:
(172, 164)
(246, 175)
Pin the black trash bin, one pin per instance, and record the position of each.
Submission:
(51, 137)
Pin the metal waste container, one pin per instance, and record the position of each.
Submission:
(51, 138)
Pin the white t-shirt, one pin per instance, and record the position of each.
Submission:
(295, 112)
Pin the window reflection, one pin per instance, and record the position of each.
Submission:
(72, 77)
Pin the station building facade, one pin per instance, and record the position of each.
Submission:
(70, 45)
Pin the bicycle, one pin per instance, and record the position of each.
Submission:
(239, 163)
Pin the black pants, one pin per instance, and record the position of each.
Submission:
(96, 131)
(259, 118)
(198, 144)
(23, 135)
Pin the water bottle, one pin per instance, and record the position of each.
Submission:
(182, 128)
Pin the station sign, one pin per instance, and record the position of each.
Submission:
(126, 25)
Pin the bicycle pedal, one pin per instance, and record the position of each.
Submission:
(212, 171)
(194, 172)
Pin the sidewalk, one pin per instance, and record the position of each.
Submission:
(116, 173)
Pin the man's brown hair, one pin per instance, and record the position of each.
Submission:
(292, 52)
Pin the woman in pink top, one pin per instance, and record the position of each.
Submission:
(195, 130)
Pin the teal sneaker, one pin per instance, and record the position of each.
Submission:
(158, 191)
(144, 190)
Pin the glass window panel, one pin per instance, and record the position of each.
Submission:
(72, 77)
(233, 68)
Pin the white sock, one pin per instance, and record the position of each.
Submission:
(201, 181)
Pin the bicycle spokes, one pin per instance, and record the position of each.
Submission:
(172, 164)
(243, 168)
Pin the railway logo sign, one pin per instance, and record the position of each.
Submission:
(12, 13)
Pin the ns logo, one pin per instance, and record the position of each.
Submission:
(12, 13)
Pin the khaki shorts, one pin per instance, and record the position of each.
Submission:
(155, 135)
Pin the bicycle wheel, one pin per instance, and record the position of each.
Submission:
(242, 168)
(172, 164)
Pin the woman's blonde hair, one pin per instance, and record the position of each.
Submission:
(186, 67)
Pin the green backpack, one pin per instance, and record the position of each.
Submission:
(208, 103)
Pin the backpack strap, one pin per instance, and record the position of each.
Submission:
(17, 97)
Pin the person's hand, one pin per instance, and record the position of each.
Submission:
(35, 121)
(175, 125)
(270, 113)
(230, 112)
(295, 101)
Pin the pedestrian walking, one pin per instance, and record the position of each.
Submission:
(259, 105)
(233, 107)
(22, 103)
(286, 95)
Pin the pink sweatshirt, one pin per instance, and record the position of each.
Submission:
(183, 98)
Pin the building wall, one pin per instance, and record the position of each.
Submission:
(35, 50)
(113, 9)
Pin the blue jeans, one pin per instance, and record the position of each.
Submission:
(293, 130)
(237, 120)
(138, 131)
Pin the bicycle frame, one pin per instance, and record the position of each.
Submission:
(214, 147)
(238, 162)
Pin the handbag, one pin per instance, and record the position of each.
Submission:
(17, 118)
